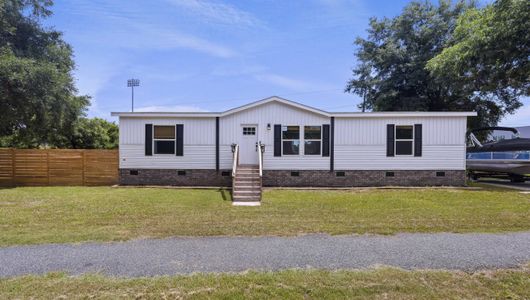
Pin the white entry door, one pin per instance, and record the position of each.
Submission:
(247, 146)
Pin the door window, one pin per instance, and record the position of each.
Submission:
(249, 130)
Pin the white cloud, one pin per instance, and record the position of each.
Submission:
(217, 12)
(148, 36)
(235, 69)
(286, 82)
(129, 29)
(179, 40)
(170, 108)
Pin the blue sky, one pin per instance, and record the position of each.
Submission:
(212, 55)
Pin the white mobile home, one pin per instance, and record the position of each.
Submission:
(291, 144)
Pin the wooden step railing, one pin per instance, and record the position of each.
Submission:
(235, 163)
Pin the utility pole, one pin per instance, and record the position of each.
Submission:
(132, 83)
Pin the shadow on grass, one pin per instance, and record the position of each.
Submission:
(225, 194)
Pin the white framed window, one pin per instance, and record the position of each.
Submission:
(291, 140)
(249, 130)
(164, 139)
(312, 140)
(404, 141)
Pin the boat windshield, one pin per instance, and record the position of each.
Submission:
(497, 135)
(519, 155)
(484, 137)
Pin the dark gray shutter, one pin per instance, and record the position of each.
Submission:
(148, 139)
(277, 140)
(390, 140)
(180, 140)
(325, 140)
(332, 145)
(417, 139)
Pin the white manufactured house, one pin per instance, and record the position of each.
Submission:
(277, 142)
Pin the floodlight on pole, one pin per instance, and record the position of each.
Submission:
(132, 83)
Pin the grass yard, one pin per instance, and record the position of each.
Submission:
(32, 215)
(381, 283)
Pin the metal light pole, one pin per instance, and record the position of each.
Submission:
(132, 83)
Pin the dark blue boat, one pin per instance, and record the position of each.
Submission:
(498, 158)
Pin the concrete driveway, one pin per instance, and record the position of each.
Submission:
(233, 254)
(522, 186)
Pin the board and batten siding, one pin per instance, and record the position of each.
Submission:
(199, 144)
(360, 144)
(273, 113)
(359, 141)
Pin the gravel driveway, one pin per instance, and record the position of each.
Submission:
(226, 254)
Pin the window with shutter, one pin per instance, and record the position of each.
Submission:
(164, 139)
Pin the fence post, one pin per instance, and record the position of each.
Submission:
(13, 167)
(84, 165)
(48, 165)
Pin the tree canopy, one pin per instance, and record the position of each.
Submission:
(93, 133)
(489, 52)
(403, 64)
(38, 99)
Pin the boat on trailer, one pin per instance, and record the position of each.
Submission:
(499, 158)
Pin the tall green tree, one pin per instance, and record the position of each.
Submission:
(92, 133)
(489, 53)
(392, 64)
(38, 98)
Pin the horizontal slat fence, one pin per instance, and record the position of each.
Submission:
(40, 167)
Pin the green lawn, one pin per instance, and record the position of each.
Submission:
(301, 284)
(33, 215)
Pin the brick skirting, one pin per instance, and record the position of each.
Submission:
(313, 178)
(305, 178)
(194, 177)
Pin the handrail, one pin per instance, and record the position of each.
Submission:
(260, 158)
(235, 160)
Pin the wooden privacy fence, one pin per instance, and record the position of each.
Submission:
(38, 167)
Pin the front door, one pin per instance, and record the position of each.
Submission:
(248, 155)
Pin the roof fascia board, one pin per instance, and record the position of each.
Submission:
(275, 99)
(164, 114)
(403, 114)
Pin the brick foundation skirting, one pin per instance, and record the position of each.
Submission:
(305, 178)
(195, 177)
(356, 178)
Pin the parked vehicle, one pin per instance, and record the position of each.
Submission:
(504, 158)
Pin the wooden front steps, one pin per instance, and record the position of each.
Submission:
(246, 188)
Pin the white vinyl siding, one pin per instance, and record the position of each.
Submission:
(199, 144)
(360, 143)
(373, 157)
(372, 131)
(195, 157)
(200, 131)
(274, 113)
